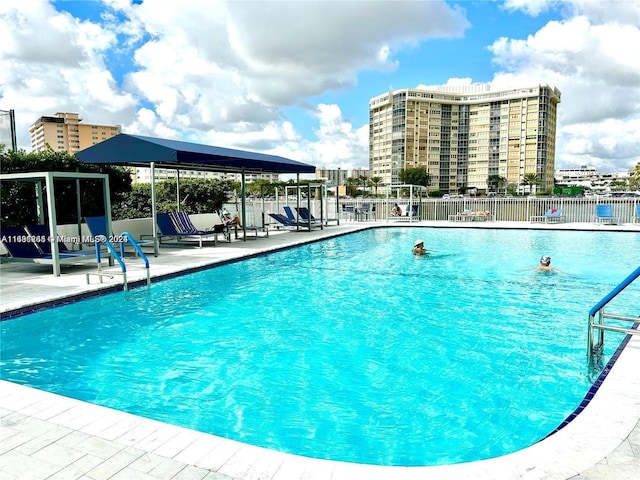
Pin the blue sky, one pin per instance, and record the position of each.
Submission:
(294, 78)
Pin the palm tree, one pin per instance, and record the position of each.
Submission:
(363, 181)
(351, 183)
(530, 179)
(634, 177)
(494, 182)
(375, 182)
(502, 183)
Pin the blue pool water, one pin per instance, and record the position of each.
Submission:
(349, 348)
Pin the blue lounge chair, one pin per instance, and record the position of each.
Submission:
(21, 247)
(281, 219)
(637, 219)
(604, 215)
(184, 223)
(170, 229)
(289, 213)
(306, 215)
(40, 235)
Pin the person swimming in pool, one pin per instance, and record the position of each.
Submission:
(545, 264)
(418, 248)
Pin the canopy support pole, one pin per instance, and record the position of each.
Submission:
(53, 227)
(154, 213)
(243, 203)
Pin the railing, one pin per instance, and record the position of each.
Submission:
(514, 209)
(119, 257)
(595, 350)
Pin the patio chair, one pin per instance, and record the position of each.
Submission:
(40, 236)
(284, 221)
(227, 225)
(306, 215)
(637, 218)
(289, 213)
(348, 212)
(281, 219)
(183, 220)
(21, 247)
(363, 212)
(604, 215)
(553, 215)
(170, 229)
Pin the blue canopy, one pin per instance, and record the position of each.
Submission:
(136, 151)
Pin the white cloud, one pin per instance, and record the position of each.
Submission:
(607, 145)
(590, 60)
(209, 70)
(222, 72)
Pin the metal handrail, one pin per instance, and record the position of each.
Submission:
(140, 254)
(120, 257)
(598, 309)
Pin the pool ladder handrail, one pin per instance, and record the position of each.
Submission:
(120, 259)
(595, 350)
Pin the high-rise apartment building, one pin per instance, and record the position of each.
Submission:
(464, 135)
(65, 132)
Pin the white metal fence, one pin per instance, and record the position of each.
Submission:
(502, 209)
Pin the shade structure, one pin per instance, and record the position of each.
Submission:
(136, 151)
(141, 151)
(46, 180)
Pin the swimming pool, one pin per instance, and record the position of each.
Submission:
(379, 356)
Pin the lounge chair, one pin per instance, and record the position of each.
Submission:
(306, 215)
(183, 220)
(289, 213)
(604, 215)
(40, 235)
(170, 229)
(408, 212)
(553, 215)
(21, 247)
(637, 217)
(284, 221)
(281, 219)
(228, 224)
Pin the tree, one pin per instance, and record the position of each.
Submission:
(495, 182)
(197, 195)
(18, 200)
(634, 178)
(618, 185)
(530, 179)
(415, 176)
(375, 182)
(352, 184)
(363, 181)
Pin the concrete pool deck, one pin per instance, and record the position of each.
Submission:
(47, 436)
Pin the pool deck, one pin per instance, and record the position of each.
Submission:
(47, 436)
